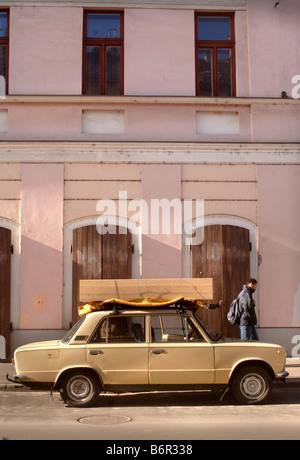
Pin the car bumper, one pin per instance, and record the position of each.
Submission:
(23, 380)
(281, 376)
(16, 378)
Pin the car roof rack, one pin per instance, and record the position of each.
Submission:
(143, 303)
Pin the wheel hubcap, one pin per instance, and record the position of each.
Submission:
(253, 386)
(80, 388)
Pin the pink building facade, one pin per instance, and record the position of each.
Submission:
(69, 157)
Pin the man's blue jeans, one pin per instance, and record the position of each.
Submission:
(248, 333)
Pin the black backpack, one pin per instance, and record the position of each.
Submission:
(234, 313)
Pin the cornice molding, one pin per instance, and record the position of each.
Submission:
(174, 4)
(149, 152)
(143, 100)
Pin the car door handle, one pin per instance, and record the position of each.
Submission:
(158, 351)
(95, 352)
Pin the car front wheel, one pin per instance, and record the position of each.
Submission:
(251, 385)
(80, 389)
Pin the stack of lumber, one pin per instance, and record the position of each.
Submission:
(129, 289)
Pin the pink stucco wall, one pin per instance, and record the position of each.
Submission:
(161, 41)
(274, 36)
(41, 246)
(45, 50)
(159, 52)
(161, 253)
(271, 123)
(279, 245)
(43, 122)
(159, 60)
(157, 122)
(46, 58)
(241, 54)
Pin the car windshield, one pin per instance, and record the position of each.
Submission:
(73, 331)
(211, 334)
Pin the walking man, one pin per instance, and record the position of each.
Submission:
(248, 319)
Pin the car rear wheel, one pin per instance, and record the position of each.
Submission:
(251, 385)
(80, 389)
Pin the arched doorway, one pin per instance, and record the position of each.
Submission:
(9, 283)
(99, 256)
(5, 290)
(223, 255)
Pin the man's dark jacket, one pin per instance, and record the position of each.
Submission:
(247, 307)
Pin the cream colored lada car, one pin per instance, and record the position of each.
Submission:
(144, 349)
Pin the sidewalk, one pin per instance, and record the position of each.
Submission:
(292, 367)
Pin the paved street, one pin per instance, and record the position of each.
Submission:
(155, 416)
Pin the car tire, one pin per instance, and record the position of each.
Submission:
(251, 385)
(80, 389)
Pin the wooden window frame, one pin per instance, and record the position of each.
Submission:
(103, 43)
(4, 41)
(215, 45)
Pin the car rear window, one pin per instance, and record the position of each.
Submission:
(73, 331)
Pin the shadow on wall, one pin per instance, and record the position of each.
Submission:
(161, 257)
(41, 286)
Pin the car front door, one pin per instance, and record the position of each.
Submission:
(119, 351)
(179, 354)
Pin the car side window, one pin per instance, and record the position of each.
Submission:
(120, 329)
(174, 328)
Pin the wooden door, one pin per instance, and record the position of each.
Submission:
(97, 256)
(117, 255)
(225, 256)
(5, 276)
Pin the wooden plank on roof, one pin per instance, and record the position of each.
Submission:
(129, 289)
